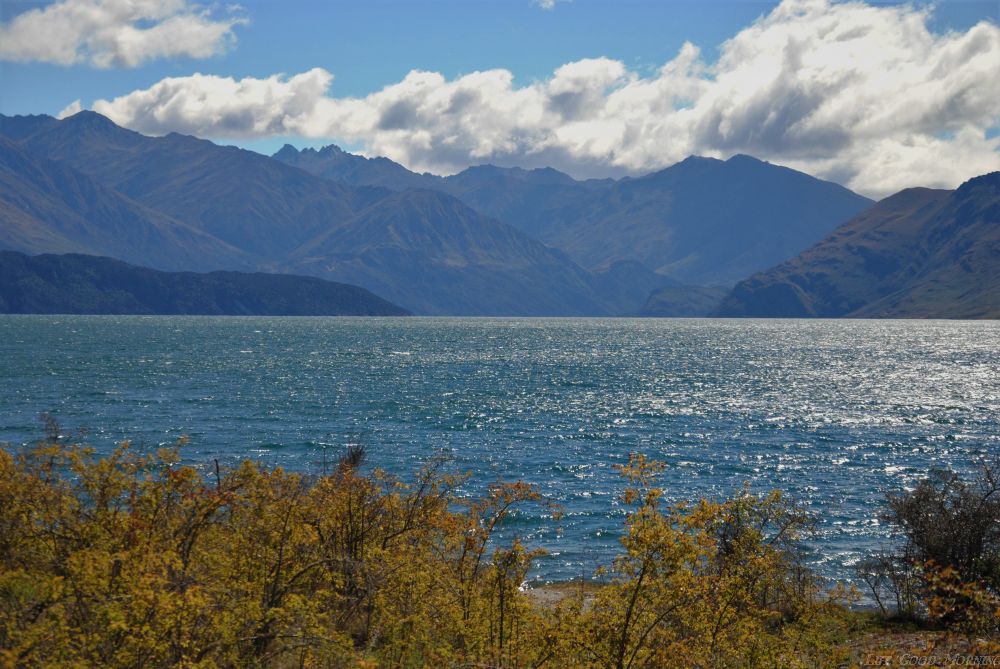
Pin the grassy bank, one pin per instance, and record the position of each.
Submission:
(140, 561)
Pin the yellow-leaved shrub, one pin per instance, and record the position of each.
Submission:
(140, 561)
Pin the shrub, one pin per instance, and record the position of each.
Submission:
(136, 561)
(140, 561)
(705, 585)
(946, 569)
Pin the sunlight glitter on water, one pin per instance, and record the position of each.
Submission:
(836, 413)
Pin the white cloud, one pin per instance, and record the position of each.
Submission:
(115, 33)
(866, 95)
(224, 107)
(70, 109)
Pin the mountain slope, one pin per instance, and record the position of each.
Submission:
(683, 302)
(242, 198)
(427, 248)
(918, 254)
(700, 221)
(48, 206)
(332, 162)
(17, 128)
(527, 199)
(81, 284)
(512, 195)
(417, 243)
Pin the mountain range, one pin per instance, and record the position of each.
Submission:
(263, 214)
(81, 284)
(486, 241)
(701, 221)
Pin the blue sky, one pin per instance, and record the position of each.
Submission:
(372, 43)
(368, 44)
(363, 47)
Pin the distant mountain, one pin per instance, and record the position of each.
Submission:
(480, 183)
(332, 162)
(684, 301)
(701, 221)
(429, 252)
(918, 254)
(49, 206)
(530, 199)
(406, 245)
(626, 282)
(511, 194)
(258, 205)
(17, 128)
(80, 284)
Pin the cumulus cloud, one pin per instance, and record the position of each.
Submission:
(115, 33)
(865, 95)
(73, 107)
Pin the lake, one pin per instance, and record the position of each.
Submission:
(835, 413)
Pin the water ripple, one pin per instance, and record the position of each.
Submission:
(836, 413)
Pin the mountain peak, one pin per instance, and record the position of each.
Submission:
(698, 160)
(538, 175)
(746, 160)
(90, 119)
(550, 175)
(484, 168)
(990, 180)
(331, 149)
(287, 152)
(691, 164)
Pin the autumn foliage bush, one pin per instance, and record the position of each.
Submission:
(140, 561)
(945, 567)
(710, 584)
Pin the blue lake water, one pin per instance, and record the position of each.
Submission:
(836, 413)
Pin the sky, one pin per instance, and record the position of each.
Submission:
(876, 96)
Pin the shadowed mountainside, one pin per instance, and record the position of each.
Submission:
(683, 301)
(257, 205)
(920, 253)
(80, 284)
(279, 218)
(49, 206)
(431, 239)
(703, 220)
